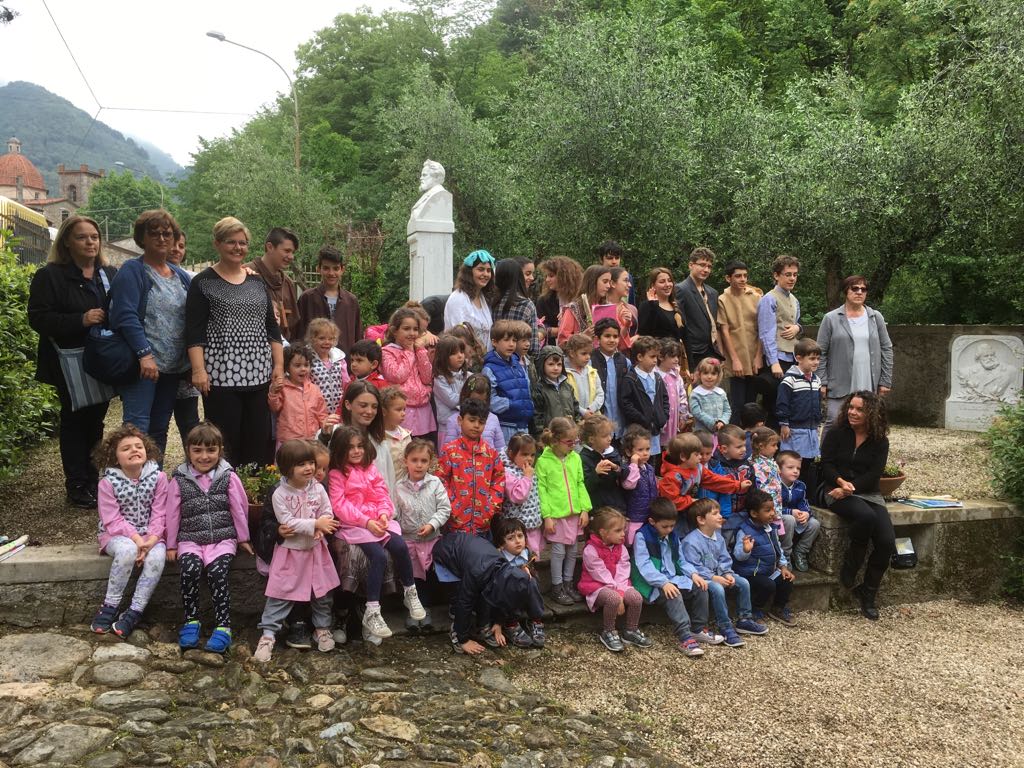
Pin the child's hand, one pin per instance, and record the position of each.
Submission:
(745, 485)
(549, 525)
(670, 591)
(635, 459)
(425, 531)
(276, 386)
(721, 580)
(499, 636)
(786, 573)
(375, 527)
(584, 519)
(730, 580)
(326, 525)
(331, 422)
(604, 466)
(698, 581)
(285, 531)
(472, 647)
(718, 425)
(785, 432)
(748, 543)
(622, 607)
(801, 516)
(246, 547)
(172, 555)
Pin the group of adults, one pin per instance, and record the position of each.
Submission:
(217, 334)
(752, 332)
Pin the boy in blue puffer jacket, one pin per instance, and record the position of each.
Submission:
(511, 399)
(758, 557)
(730, 460)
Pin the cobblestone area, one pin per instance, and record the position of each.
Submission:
(78, 699)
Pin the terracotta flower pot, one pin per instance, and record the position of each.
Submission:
(888, 485)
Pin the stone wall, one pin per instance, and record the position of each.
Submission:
(921, 367)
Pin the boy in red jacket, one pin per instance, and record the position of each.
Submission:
(472, 473)
(682, 474)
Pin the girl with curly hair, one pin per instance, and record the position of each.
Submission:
(563, 278)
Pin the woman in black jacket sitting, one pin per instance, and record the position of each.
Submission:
(66, 298)
(853, 455)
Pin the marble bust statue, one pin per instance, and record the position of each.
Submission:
(435, 202)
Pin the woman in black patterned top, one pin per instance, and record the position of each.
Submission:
(234, 346)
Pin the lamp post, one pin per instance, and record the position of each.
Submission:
(295, 100)
(131, 170)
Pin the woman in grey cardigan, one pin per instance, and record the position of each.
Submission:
(856, 352)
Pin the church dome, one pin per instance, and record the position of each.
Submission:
(15, 164)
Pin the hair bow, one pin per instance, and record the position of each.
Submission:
(476, 257)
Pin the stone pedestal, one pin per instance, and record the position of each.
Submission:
(985, 373)
(429, 234)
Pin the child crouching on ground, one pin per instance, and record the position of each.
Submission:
(662, 575)
(301, 569)
(207, 520)
(132, 499)
(705, 549)
(488, 584)
(605, 582)
(421, 508)
(757, 556)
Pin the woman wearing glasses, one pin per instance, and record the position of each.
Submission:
(470, 302)
(856, 352)
(148, 308)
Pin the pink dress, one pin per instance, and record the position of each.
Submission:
(358, 497)
(678, 404)
(301, 566)
(412, 371)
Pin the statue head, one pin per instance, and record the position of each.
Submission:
(431, 176)
(986, 355)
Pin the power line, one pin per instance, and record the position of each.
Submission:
(175, 111)
(72, 55)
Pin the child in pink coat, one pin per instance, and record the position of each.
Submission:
(406, 363)
(299, 404)
(301, 565)
(605, 582)
(132, 506)
(362, 504)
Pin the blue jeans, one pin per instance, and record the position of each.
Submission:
(149, 405)
(716, 595)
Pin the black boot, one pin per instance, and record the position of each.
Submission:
(866, 596)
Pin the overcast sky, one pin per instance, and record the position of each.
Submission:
(143, 54)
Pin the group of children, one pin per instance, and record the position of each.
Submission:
(579, 442)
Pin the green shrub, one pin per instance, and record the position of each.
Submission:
(28, 409)
(1006, 440)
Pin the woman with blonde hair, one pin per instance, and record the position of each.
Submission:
(234, 346)
(65, 300)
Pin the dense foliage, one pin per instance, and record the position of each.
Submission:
(27, 408)
(1006, 441)
(116, 201)
(875, 136)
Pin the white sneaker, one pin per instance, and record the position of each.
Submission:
(708, 636)
(412, 602)
(340, 636)
(324, 641)
(375, 624)
(264, 650)
(372, 639)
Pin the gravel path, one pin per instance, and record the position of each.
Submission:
(931, 685)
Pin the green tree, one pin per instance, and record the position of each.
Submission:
(115, 201)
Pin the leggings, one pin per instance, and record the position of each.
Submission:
(563, 562)
(868, 522)
(123, 552)
(377, 562)
(217, 579)
(608, 601)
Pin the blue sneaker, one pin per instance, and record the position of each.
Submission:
(188, 635)
(750, 627)
(758, 615)
(220, 640)
(126, 623)
(732, 640)
(104, 619)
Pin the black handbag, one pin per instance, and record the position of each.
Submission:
(107, 357)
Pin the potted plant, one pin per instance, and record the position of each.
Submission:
(258, 481)
(891, 479)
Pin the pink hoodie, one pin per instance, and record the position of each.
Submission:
(357, 498)
(411, 370)
(603, 566)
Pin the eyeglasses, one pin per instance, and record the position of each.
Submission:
(569, 443)
(235, 243)
(859, 289)
(161, 234)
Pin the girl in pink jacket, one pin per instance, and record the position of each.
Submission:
(299, 404)
(605, 582)
(406, 363)
(362, 504)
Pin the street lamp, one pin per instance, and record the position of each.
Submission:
(295, 100)
(120, 164)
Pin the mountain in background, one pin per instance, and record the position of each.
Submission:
(163, 161)
(51, 130)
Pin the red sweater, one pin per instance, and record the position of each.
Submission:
(474, 477)
(678, 483)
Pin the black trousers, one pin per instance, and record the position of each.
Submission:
(186, 416)
(869, 522)
(78, 434)
(244, 417)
